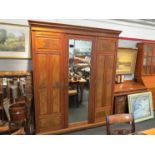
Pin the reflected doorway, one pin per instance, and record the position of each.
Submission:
(79, 79)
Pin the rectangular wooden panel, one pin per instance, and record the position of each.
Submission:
(55, 83)
(50, 122)
(104, 80)
(109, 66)
(104, 77)
(106, 45)
(99, 94)
(42, 81)
(48, 44)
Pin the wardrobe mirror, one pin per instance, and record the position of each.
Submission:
(79, 79)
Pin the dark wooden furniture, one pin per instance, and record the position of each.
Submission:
(4, 129)
(20, 131)
(18, 115)
(50, 45)
(145, 60)
(145, 66)
(120, 119)
(28, 97)
(122, 91)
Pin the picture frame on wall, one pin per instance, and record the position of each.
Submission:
(14, 41)
(140, 105)
(126, 60)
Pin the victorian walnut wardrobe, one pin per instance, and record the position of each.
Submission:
(50, 71)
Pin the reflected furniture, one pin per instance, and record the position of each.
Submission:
(119, 119)
(73, 92)
(80, 87)
(145, 67)
(50, 56)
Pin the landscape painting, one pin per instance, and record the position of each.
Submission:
(14, 41)
(126, 60)
(140, 105)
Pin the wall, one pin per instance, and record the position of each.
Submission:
(15, 65)
(128, 29)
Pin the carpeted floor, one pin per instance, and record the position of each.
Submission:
(102, 130)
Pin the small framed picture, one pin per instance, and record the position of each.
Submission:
(140, 105)
(14, 41)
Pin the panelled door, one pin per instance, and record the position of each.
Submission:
(48, 62)
(104, 77)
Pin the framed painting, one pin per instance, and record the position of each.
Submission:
(14, 41)
(140, 105)
(126, 61)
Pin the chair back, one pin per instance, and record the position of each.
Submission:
(118, 120)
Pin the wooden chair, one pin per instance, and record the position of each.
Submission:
(120, 120)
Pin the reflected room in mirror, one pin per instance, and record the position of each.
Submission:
(79, 79)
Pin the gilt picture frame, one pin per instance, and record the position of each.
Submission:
(140, 105)
(126, 61)
(14, 41)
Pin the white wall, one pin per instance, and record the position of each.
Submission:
(129, 29)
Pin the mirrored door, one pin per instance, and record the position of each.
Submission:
(79, 79)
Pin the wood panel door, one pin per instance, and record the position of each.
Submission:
(49, 83)
(104, 77)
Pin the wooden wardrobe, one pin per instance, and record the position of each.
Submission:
(50, 70)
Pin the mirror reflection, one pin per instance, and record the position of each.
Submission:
(79, 79)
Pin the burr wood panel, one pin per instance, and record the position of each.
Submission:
(106, 45)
